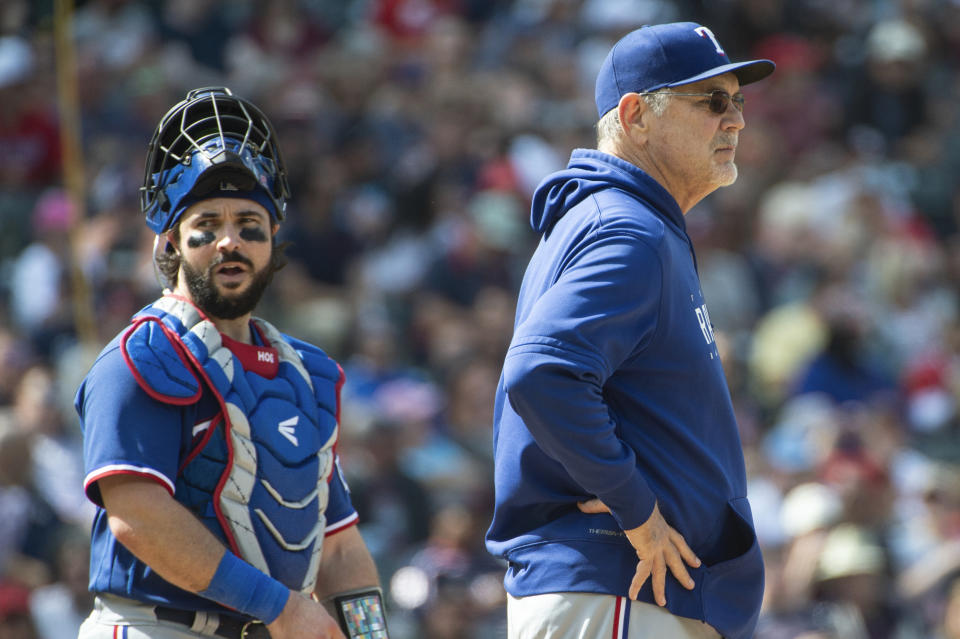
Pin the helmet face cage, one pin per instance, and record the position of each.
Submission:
(211, 130)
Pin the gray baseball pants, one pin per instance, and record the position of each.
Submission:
(118, 618)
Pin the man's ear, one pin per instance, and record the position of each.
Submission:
(633, 113)
(171, 239)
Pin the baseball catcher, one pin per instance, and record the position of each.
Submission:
(209, 435)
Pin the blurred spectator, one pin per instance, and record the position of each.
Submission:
(15, 621)
(477, 254)
(394, 507)
(28, 125)
(113, 34)
(932, 587)
(60, 607)
(28, 526)
(200, 24)
(888, 95)
(15, 357)
(451, 583)
(842, 369)
(470, 387)
(320, 244)
(39, 301)
(56, 447)
(15, 503)
(851, 579)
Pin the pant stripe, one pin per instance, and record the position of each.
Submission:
(626, 619)
(616, 617)
(621, 618)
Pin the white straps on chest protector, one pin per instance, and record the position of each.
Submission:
(236, 501)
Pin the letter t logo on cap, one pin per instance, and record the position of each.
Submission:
(707, 33)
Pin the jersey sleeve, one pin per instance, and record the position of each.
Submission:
(603, 309)
(125, 431)
(340, 512)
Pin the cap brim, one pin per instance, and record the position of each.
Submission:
(746, 72)
(235, 173)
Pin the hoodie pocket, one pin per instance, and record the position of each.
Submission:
(733, 581)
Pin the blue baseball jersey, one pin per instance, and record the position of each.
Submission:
(130, 431)
(612, 387)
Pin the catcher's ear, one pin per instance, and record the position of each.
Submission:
(170, 237)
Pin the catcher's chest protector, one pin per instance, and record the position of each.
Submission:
(258, 473)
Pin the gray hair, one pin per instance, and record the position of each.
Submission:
(608, 127)
(657, 100)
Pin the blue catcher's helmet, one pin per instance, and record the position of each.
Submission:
(209, 138)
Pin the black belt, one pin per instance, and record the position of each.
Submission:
(228, 627)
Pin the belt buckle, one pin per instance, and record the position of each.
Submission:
(249, 627)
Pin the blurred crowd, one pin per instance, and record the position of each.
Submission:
(415, 132)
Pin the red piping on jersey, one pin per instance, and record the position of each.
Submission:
(227, 427)
(336, 415)
(349, 522)
(340, 381)
(95, 478)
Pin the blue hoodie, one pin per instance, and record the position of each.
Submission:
(613, 388)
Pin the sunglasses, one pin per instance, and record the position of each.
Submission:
(719, 100)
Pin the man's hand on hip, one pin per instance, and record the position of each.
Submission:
(658, 547)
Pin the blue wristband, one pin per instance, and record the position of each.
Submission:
(240, 586)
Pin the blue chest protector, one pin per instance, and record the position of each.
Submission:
(259, 476)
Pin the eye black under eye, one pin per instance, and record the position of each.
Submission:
(253, 234)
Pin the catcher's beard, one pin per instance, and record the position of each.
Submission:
(206, 296)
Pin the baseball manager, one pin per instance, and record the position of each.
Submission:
(621, 505)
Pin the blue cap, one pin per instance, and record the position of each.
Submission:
(668, 55)
(224, 166)
(229, 190)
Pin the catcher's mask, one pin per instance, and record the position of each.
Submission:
(210, 141)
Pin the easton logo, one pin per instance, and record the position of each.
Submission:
(286, 428)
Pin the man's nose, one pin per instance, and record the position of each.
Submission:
(733, 119)
(229, 238)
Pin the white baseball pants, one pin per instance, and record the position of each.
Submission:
(575, 615)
